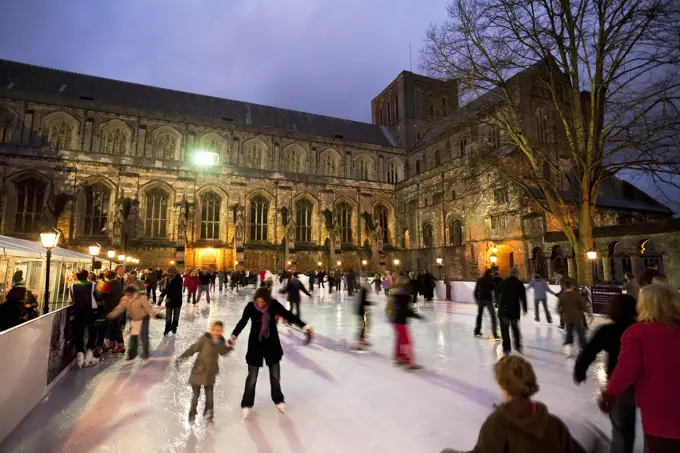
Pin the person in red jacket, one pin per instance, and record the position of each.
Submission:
(191, 283)
(649, 359)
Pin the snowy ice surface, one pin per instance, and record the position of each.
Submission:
(337, 400)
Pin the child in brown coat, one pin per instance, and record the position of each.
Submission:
(572, 308)
(139, 311)
(208, 347)
(521, 425)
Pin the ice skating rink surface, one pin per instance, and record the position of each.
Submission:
(337, 400)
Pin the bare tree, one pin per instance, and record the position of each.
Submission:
(606, 73)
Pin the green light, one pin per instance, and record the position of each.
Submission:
(202, 158)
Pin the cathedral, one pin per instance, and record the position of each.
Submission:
(205, 182)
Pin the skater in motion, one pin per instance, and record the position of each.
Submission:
(484, 293)
(622, 312)
(209, 347)
(521, 425)
(364, 321)
(293, 289)
(264, 345)
(400, 311)
(572, 306)
(140, 311)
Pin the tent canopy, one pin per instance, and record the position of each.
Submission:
(23, 248)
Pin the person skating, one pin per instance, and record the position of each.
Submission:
(363, 313)
(293, 289)
(133, 280)
(209, 347)
(173, 306)
(139, 311)
(377, 283)
(511, 295)
(541, 290)
(447, 288)
(151, 282)
(631, 286)
(621, 310)
(521, 425)
(84, 309)
(204, 286)
(649, 360)
(191, 284)
(264, 345)
(351, 282)
(400, 311)
(571, 306)
(484, 294)
(429, 284)
(110, 295)
(387, 282)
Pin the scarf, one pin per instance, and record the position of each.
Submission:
(264, 329)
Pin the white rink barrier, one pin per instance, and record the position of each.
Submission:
(464, 292)
(28, 373)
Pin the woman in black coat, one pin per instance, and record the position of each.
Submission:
(264, 345)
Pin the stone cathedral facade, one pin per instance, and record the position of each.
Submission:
(207, 182)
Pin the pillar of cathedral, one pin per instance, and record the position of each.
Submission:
(606, 269)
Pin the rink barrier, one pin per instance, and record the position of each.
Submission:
(464, 292)
(35, 356)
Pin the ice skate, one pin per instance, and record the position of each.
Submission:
(413, 368)
(567, 351)
(357, 346)
(281, 407)
(90, 359)
(246, 412)
(80, 359)
(208, 417)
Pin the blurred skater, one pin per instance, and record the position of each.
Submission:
(400, 312)
(363, 313)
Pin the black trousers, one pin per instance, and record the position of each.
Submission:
(251, 382)
(83, 321)
(171, 319)
(363, 326)
(481, 305)
(622, 416)
(537, 306)
(134, 340)
(191, 297)
(208, 389)
(506, 325)
(295, 308)
(151, 291)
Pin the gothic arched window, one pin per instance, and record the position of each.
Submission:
(6, 126)
(293, 161)
(456, 233)
(381, 218)
(156, 215)
(428, 241)
(166, 144)
(210, 216)
(115, 141)
(417, 167)
(362, 167)
(259, 216)
(303, 221)
(97, 198)
(59, 134)
(541, 126)
(253, 156)
(392, 173)
(437, 158)
(330, 166)
(345, 222)
(30, 198)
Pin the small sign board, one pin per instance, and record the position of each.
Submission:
(600, 296)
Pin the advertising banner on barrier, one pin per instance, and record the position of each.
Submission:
(62, 344)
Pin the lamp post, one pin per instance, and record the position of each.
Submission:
(339, 263)
(494, 259)
(111, 254)
(49, 241)
(440, 263)
(318, 263)
(363, 265)
(396, 265)
(94, 251)
(121, 259)
(592, 256)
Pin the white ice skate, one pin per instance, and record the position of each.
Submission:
(281, 407)
(90, 359)
(567, 351)
(80, 359)
(246, 412)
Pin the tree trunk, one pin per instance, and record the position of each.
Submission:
(584, 267)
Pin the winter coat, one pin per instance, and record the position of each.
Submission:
(428, 286)
(205, 368)
(511, 293)
(204, 279)
(152, 279)
(606, 338)
(571, 305)
(541, 289)
(137, 307)
(363, 301)
(269, 349)
(111, 294)
(401, 309)
(82, 295)
(20, 306)
(484, 289)
(293, 289)
(173, 291)
(524, 426)
(649, 359)
(191, 283)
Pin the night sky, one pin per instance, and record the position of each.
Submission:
(321, 56)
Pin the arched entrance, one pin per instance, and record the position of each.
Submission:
(209, 262)
(539, 264)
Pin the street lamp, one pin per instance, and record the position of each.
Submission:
(111, 254)
(396, 264)
(592, 255)
(440, 263)
(49, 241)
(339, 263)
(172, 262)
(494, 259)
(94, 251)
(364, 263)
(121, 259)
(318, 263)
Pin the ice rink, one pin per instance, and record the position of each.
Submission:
(337, 400)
